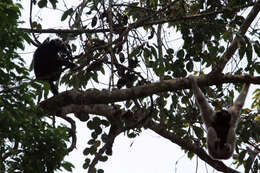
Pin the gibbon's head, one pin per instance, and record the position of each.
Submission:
(61, 47)
(222, 116)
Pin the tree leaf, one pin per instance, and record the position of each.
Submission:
(66, 13)
(42, 3)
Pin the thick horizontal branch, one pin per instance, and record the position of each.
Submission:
(77, 97)
(218, 165)
(82, 110)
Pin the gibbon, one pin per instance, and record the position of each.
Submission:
(221, 125)
(49, 58)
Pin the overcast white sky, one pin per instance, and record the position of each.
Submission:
(146, 153)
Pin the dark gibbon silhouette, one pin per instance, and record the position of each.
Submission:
(49, 58)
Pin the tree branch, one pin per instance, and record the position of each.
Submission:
(140, 23)
(233, 47)
(108, 111)
(195, 148)
(76, 97)
(72, 131)
(105, 110)
(64, 31)
(97, 109)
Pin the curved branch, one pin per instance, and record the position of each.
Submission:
(36, 43)
(108, 111)
(92, 165)
(234, 45)
(158, 128)
(72, 132)
(218, 165)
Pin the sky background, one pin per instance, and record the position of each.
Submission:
(146, 153)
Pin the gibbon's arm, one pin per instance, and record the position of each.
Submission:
(205, 109)
(238, 104)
